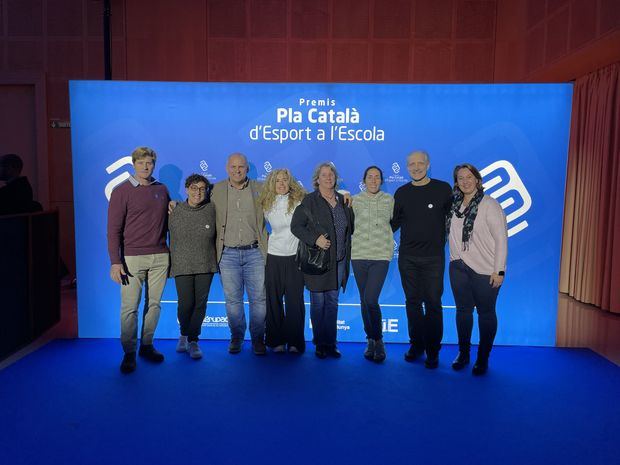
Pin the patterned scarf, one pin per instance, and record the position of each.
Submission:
(469, 213)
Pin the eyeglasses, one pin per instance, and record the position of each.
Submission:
(202, 190)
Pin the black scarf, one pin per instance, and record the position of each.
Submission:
(469, 213)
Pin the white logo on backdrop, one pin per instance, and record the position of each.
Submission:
(267, 167)
(396, 177)
(390, 325)
(204, 167)
(340, 324)
(502, 172)
(215, 321)
(118, 179)
(362, 186)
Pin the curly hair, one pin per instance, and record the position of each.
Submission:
(195, 179)
(268, 194)
(317, 171)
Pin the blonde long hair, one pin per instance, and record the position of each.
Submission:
(268, 195)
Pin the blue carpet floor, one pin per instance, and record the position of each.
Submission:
(67, 403)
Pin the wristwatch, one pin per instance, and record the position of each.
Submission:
(501, 273)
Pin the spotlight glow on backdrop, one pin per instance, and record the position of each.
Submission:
(516, 134)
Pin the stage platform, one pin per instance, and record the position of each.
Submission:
(68, 403)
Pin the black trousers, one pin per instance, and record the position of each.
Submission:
(422, 280)
(192, 291)
(471, 290)
(370, 276)
(286, 314)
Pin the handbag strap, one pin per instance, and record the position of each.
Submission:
(310, 217)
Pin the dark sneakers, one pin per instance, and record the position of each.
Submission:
(128, 365)
(148, 352)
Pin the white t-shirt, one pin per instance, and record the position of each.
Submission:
(282, 242)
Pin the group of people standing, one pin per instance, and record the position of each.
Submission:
(223, 227)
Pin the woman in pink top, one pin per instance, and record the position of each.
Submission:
(478, 239)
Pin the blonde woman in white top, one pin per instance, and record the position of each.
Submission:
(284, 283)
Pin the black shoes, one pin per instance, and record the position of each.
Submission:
(149, 353)
(432, 361)
(327, 351)
(379, 355)
(369, 353)
(413, 353)
(333, 352)
(259, 348)
(480, 367)
(128, 365)
(375, 350)
(461, 361)
(234, 347)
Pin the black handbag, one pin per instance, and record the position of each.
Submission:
(311, 259)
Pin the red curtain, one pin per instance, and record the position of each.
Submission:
(590, 269)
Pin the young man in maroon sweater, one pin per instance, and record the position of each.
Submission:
(137, 226)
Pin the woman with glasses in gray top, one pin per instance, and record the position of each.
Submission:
(192, 255)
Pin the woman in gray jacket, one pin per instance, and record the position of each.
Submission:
(192, 258)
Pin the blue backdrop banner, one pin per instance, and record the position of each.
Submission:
(517, 135)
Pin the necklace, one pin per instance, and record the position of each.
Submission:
(330, 198)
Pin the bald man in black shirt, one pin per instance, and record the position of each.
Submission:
(420, 209)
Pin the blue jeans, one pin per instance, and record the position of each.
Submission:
(239, 270)
(324, 313)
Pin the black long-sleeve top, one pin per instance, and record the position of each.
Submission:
(420, 213)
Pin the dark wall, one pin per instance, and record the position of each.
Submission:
(294, 40)
(310, 40)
